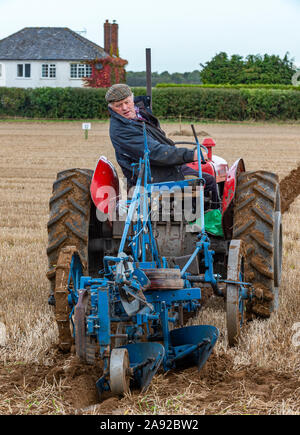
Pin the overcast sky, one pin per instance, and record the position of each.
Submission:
(181, 33)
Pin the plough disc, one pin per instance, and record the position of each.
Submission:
(119, 371)
(235, 304)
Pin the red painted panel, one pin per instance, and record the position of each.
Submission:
(230, 184)
(208, 167)
(105, 186)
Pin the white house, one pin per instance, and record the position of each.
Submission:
(46, 56)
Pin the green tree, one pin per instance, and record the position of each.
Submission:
(266, 69)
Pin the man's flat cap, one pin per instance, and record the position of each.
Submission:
(117, 93)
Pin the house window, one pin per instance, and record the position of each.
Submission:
(49, 70)
(80, 70)
(24, 70)
(0, 69)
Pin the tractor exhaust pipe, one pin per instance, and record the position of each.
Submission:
(148, 75)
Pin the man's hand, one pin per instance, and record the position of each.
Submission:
(204, 155)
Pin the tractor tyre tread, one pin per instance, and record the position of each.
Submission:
(254, 224)
(68, 223)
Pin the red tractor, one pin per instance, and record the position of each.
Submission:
(250, 212)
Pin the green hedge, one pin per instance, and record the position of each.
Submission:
(229, 86)
(169, 103)
(227, 104)
(68, 103)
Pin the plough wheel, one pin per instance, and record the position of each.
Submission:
(235, 305)
(68, 274)
(119, 371)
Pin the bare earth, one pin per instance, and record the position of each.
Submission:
(260, 376)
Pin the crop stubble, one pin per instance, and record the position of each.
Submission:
(260, 376)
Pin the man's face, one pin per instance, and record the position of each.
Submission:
(124, 107)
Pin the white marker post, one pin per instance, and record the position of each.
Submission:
(86, 126)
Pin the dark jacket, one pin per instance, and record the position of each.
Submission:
(128, 141)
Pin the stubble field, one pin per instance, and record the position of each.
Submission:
(260, 376)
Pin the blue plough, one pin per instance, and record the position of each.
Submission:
(129, 320)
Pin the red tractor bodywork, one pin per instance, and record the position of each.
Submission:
(219, 168)
(230, 183)
(105, 189)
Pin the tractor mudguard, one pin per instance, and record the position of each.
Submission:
(105, 187)
(228, 196)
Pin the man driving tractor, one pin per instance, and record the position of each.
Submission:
(168, 163)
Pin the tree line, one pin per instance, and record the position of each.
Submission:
(139, 78)
(225, 69)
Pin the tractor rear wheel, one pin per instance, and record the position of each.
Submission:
(68, 223)
(257, 221)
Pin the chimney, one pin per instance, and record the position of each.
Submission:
(115, 38)
(107, 36)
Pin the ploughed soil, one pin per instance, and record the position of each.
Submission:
(222, 382)
(66, 385)
(217, 386)
(290, 189)
(78, 382)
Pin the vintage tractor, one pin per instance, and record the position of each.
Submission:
(125, 279)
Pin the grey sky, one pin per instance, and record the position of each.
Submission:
(181, 33)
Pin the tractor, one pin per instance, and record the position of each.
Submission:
(125, 279)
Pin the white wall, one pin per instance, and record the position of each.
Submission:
(2, 76)
(9, 77)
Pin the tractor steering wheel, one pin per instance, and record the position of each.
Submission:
(194, 143)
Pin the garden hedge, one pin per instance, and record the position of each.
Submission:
(229, 86)
(193, 103)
